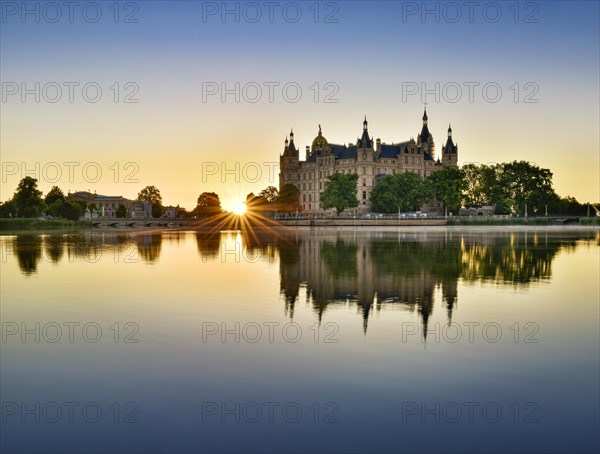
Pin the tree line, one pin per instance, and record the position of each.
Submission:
(30, 202)
(510, 188)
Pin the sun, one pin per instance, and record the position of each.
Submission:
(239, 208)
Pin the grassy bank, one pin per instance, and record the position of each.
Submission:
(37, 224)
(519, 221)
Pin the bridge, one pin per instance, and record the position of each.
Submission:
(140, 223)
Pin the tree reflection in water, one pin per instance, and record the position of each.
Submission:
(370, 271)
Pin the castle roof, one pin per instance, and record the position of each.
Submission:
(393, 150)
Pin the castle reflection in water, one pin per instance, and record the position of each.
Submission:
(365, 270)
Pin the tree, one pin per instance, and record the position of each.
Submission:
(288, 199)
(121, 211)
(152, 195)
(384, 196)
(28, 198)
(157, 210)
(447, 186)
(270, 194)
(208, 204)
(8, 209)
(53, 195)
(257, 203)
(523, 184)
(481, 185)
(340, 192)
(54, 207)
(401, 192)
(70, 210)
(570, 206)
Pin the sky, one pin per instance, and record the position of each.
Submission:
(144, 93)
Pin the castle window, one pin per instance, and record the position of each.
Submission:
(364, 181)
(364, 195)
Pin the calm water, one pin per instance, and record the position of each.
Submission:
(445, 341)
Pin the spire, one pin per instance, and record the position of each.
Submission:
(286, 140)
(291, 147)
(450, 147)
(365, 141)
(425, 130)
(320, 133)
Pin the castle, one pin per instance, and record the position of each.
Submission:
(368, 162)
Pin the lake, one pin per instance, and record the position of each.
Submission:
(422, 340)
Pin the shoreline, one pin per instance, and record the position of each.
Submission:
(23, 226)
(319, 229)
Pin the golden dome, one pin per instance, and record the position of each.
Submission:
(320, 142)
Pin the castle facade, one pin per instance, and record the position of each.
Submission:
(370, 161)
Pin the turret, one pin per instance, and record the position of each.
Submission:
(425, 139)
(365, 141)
(289, 163)
(450, 151)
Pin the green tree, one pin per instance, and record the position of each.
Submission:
(8, 209)
(270, 194)
(70, 210)
(340, 192)
(54, 207)
(28, 198)
(401, 192)
(384, 196)
(288, 199)
(121, 211)
(570, 206)
(503, 206)
(523, 184)
(208, 204)
(480, 185)
(447, 185)
(53, 195)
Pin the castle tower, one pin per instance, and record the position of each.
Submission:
(289, 163)
(425, 139)
(365, 141)
(450, 151)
